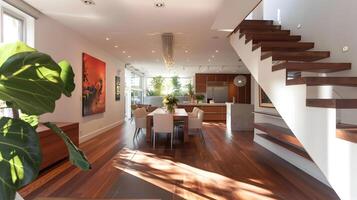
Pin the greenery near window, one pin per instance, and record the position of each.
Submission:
(160, 86)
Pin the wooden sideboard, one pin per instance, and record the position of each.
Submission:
(212, 112)
(52, 147)
(242, 94)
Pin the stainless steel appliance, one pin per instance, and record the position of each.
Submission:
(217, 91)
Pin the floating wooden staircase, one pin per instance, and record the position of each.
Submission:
(289, 53)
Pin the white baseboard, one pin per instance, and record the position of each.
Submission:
(97, 132)
(298, 161)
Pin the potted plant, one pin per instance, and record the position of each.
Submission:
(30, 83)
(200, 98)
(170, 102)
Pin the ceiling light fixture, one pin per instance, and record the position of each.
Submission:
(107, 38)
(186, 51)
(124, 52)
(159, 4)
(212, 56)
(153, 51)
(129, 56)
(116, 46)
(88, 2)
(217, 51)
(168, 49)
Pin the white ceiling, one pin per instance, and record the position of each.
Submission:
(135, 27)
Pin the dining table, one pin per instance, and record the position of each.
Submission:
(179, 115)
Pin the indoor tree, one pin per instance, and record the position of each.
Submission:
(176, 86)
(158, 84)
(30, 84)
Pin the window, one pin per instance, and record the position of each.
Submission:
(12, 27)
(15, 26)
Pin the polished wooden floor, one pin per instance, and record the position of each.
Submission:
(223, 165)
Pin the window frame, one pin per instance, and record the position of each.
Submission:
(22, 19)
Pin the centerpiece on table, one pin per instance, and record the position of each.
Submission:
(170, 102)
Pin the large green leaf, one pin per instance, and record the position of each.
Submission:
(33, 120)
(67, 76)
(20, 156)
(8, 50)
(76, 156)
(31, 82)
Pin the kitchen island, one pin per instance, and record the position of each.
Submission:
(213, 111)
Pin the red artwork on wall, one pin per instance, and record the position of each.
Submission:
(93, 85)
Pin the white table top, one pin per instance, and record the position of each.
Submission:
(178, 112)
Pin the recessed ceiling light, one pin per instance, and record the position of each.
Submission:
(212, 56)
(129, 56)
(124, 52)
(209, 60)
(153, 51)
(159, 4)
(107, 38)
(186, 51)
(217, 51)
(116, 46)
(88, 2)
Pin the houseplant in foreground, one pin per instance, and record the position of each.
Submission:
(30, 84)
(170, 101)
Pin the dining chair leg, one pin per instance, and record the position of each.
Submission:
(136, 130)
(172, 136)
(154, 140)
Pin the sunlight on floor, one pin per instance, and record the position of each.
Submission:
(186, 181)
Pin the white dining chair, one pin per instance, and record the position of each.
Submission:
(163, 123)
(140, 120)
(196, 123)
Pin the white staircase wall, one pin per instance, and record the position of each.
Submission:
(314, 127)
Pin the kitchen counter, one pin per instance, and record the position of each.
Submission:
(212, 112)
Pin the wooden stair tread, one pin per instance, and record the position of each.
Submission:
(259, 27)
(296, 55)
(346, 132)
(283, 46)
(286, 146)
(249, 33)
(332, 103)
(312, 67)
(319, 81)
(278, 38)
(282, 134)
(264, 22)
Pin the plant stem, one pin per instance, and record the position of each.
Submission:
(15, 113)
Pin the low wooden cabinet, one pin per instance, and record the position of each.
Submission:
(52, 147)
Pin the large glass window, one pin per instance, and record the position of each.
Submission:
(13, 27)
(169, 85)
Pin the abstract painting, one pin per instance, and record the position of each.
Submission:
(93, 85)
(117, 88)
(264, 100)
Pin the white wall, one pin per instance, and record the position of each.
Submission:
(298, 161)
(330, 24)
(62, 43)
(232, 12)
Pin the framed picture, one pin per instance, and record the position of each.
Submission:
(93, 85)
(264, 100)
(117, 88)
